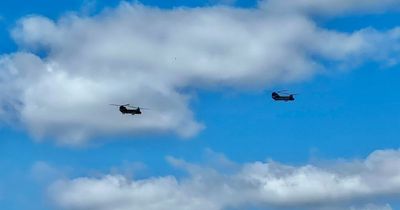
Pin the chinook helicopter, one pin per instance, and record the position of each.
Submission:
(123, 108)
(282, 96)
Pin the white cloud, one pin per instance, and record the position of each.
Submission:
(258, 184)
(330, 7)
(149, 56)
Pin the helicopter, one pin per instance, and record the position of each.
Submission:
(124, 110)
(286, 97)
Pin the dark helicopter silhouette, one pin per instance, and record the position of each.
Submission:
(286, 97)
(124, 110)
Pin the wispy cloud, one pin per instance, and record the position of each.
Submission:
(373, 207)
(330, 7)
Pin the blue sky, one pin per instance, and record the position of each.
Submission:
(344, 114)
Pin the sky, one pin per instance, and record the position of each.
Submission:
(213, 137)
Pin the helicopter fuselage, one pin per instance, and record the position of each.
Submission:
(125, 110)
(286, 98)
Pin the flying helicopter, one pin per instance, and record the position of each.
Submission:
(283, 97)
(123, 108)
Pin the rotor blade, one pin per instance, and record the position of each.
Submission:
(119, 104)
(281, 91)
(139, 107)
(128, 105)
(143, 108)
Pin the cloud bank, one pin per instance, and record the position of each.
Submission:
(68, 70)
(262, 185)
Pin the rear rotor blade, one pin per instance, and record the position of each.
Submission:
(282, 91)
(143, 108)
(119, 104)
